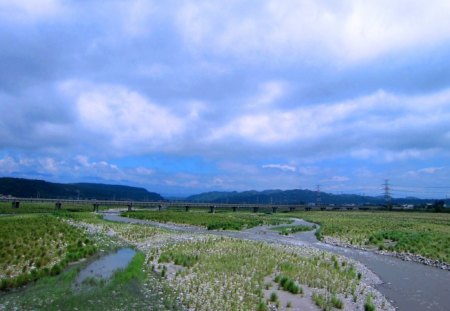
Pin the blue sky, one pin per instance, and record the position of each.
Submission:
(182, 97)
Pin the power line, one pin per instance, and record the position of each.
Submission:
(318, 197)
(387, 192)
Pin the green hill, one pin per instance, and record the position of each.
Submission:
(32, 188)
(296, 196)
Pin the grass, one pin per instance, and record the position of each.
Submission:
(368, 305)
(287, 230)
(129, 289)
(228, 274)
(34, 246)
(425, 234)
(327, 303)
(34, 207)
(216, 221)
(288, 284)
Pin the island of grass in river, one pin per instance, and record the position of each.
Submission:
(424, 234)
(212, 221)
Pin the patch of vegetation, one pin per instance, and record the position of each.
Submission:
(288, 284)
(178, 259)
(130, 289)
(286, 230)
(34, 207)
(327, 303)
(34, 246)
(273, 297)
(216, 221)
(425, 234)
(336, 302)
(229, 274)
(368, 305)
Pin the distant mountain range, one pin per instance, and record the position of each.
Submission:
(295, 197)
(30, 188)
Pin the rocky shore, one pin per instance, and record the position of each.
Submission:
(404, 256)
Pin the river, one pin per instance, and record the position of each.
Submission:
(408, 285)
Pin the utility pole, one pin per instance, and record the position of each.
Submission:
(387, 194)
(318, 197)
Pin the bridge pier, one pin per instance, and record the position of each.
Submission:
(212, 209)
(187, 207)
(58, 205)
(292, 209)
(159, 207)
(234, 208)
(15, 204)
(130, 206)
(255, 209)
(307, 208)
(274, 209)
(95, 207)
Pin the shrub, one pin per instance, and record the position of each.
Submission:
(368, 305)
(261, 306)
(336, 302)
(273, 297)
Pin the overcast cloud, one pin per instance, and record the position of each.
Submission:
(188, 96)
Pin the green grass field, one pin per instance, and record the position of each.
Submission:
(223, 220)
(33, 246)
(31, 208)
(425, 234)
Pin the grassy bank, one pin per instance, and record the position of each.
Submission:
(34, 246)
(425, 234)
(212, 221)
(129, 289)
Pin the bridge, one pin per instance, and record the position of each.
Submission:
(187, 206)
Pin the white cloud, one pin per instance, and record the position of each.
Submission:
(123, 119)
(30, 10)
(136, 16)
(8, 165)
(430, 170)
(283, 167)
(349, 30)
(381, 125)
(270, 92)
(336, 179)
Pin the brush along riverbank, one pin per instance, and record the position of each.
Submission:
(34, 246)
(211, 221)
(419, 237)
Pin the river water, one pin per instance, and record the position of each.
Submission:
(105, 266)
(408, 285)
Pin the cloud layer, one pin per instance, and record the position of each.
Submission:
(200, 95)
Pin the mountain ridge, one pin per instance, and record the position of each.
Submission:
(296, 196)
(27, 188)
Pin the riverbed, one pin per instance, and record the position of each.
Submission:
(408, 285)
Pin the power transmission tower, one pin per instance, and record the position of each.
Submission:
(387, 194)
(318, 197)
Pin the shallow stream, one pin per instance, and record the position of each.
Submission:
(105, 266)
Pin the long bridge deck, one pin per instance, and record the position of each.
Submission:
(182, 205)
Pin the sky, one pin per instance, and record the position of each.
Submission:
(182, 97)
